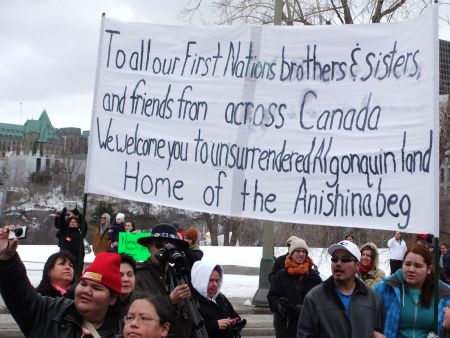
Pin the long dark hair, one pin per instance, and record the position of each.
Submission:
(428, 285)
(45, 286)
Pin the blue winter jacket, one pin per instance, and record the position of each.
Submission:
(390, 291)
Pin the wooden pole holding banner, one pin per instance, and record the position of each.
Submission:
(266, 264)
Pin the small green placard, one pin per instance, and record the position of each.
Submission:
(128, 244)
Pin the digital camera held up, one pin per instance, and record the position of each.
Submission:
(19, 232)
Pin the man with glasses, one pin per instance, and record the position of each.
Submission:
(342, 306)
(156, 275)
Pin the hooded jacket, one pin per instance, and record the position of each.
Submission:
(211, 308)
(391, 291)
(374, 275)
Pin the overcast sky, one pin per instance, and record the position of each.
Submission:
(49, 53)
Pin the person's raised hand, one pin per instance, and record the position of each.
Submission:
(8, 247)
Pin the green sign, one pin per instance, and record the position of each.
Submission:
(128, 244)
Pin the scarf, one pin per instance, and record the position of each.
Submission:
(295, 269)
(365, 268)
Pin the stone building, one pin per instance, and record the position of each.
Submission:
(36, 146)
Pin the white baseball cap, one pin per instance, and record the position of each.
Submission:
(345, 245)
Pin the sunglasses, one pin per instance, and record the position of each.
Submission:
(343, 259)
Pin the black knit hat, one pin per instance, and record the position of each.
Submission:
(165, 232)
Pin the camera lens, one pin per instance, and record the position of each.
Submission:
(18, 232)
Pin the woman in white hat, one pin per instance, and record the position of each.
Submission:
(289, 288)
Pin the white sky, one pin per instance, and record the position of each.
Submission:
(49, 52)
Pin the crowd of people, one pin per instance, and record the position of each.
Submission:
(173, 293)
(176, 293)
(358, 299)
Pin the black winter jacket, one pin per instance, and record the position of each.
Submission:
(291, 290)
(278, 265)
(39, 316)
(71, 242)
(151, 278)
(212, 312)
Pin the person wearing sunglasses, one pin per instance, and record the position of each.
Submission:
(408, 296)
(100, 240)
(157, 276)
(342, 306)
(289, 287)
(149, 316)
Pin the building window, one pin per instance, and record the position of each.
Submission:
(47, 163)
(38, 164)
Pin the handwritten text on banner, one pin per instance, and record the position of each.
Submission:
(318, 125)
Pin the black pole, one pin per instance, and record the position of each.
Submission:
(437, 268)
(83, 231)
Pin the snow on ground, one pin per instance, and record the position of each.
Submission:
(243, 286)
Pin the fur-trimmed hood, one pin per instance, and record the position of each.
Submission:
(374, 250)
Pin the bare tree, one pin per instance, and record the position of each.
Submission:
(69, 168)
(309, 12)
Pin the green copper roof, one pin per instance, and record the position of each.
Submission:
(43, 127)
(11, 130)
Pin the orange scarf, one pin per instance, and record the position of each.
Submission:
(295, 269)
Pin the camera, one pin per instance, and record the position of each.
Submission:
(169, 253)
(19, 232)
(70, 205)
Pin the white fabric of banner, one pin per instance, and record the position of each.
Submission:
(332, 125)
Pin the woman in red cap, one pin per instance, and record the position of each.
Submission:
(90, 314)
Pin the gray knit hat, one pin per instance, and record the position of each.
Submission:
(290, 239)
(298, 244)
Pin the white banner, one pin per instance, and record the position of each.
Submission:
(331, 125)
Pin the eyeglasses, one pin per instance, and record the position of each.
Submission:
(140, 319)
(343, 259)
(103, 217)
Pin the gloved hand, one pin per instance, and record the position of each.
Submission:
(297, 309)
(283, 307)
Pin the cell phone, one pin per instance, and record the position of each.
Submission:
(19, 232)
(234, 321)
